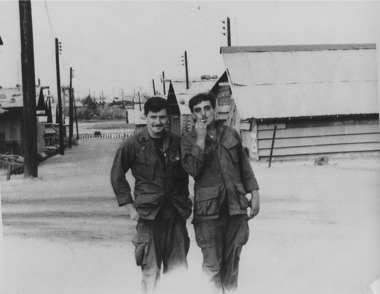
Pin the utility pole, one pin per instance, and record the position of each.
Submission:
(163, 82)
(71, 108)
(134, 97)
(139, 101)
(187, 73)
(28, 90)
(57, 51)
(76, 117)
(228, 32)
(154, 88)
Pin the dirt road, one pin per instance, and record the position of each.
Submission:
(317, 232)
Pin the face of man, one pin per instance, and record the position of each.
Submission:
(204, 111)
(156, 122)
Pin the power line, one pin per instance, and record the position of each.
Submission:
(200, 13)
(113, 56)
(49, 20)
(123, 70)
(116, 60)
(191, 17)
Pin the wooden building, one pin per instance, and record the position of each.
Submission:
(321, 98)
(11, 122)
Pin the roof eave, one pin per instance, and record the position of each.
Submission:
(290, 48)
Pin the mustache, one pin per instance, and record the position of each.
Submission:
(157, 125)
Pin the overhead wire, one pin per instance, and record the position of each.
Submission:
(49, 20)
(123, 74)
(199, 17)
(200, 13)
(112, 58)
(191, 16)
(111, 62)
(115, 59)
(114, 68)
(124, 56)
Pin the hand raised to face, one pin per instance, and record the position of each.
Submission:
(201, 128)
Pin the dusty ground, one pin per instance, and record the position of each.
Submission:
(317, 232)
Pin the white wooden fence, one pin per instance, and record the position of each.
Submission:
(105, 135)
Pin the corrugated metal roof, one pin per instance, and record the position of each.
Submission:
(303, 83)
(286, 48)
(12, 97)
(278, 101)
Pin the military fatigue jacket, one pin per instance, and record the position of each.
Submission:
(155, 180)
(221, 170)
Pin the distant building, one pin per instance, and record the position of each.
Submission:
(322, 98)
(11, 121)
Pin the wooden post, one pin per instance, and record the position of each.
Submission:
(271, 149)
(228, 32)
(28, 90)
(71, 108)
(187, 73)
(3, 283)
(139, 101)
(154, 88)
(61, 144)
(76, 117)
(163, 82)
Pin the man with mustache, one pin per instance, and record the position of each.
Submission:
(161, 201)
(213, 154)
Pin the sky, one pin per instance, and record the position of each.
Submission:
(117, 48)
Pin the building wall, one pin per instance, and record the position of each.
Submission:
(12, 129)
(321, 137)
(187, 123)
(175, 124)
(40, 136)
(13, 137)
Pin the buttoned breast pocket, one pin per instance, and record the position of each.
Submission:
(145, 166)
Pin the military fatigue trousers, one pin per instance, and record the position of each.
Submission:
(221, 242)
(163, 241)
